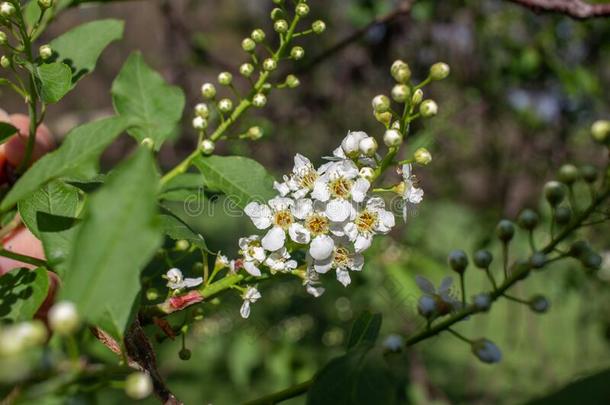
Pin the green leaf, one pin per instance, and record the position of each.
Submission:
(23, 291)
(55, 81)
(153, 107)
(364, 330)
(183, 188)
(82, 147)
(118, 236)
(243, 180)
(57, 234)
(6, 131)
(177, 229)
(81, 47)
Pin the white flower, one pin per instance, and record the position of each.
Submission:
(339, 186)
(302, 179)
(436, 302)
(280, 261)
(254, 254)
(411, 194)
(250, 297)
(351, 143)
(222, 261)
(486, 351)
(342, 260)
(176, 281)
(314, 229)
(373, 219)
(277, 214)
(312, 283)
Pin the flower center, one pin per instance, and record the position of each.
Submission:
(308, 178)
(283, 219)
(317, 224)
(340, 187)
(366, 221)
(341, 258)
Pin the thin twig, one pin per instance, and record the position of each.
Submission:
(577, 9)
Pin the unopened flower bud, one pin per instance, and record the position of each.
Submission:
(207, 146)
(385, 118)
(138, 385)
(292, 81)
(208, 91)
(591, 260)
(148, 143)
(351, 143)
(152, 294)
(402, 75)
(302, 9)
(367, 173)
(422, 156)
(297, 53)
(318, 26)
(248, 44)
(579, 248)
(184, 354)
(600, 130)
(426, 306)
(44, 4)
(539, 304)
(280, 26)
(259, 100)
(63, 318)
(486, 351)
(528, 219)
(6, 9)
(439, 71)
(458, 261)
(563, 215)
(3, 38)
(482, 302)
(395, 125)
(554, 192)
(400, 93)
(381, 103)
(418, 96)
(482, 259)
(200, 123)
(392, 138)
(505, 230)
(225, 78)
(201, 110)
(538, 260)
(5, 62)
(589, 173)
(225, 105)
(568, 174)
(277, 14)
(182, 245)
(269, 64)
(258, 35)
(278, 2)
(368, 146)
(428, 108)
(254, 133)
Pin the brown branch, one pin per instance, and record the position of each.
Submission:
(577, 9)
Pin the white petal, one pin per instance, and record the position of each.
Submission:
(320, 191)
(192, 282)
(357, 262)
(339, 153)
(359, 189)
(362, 243)
(323, 266)
(351, 231)
(386, 221)
(445, 284)
(274, 239)
(259, 253)
(343, 277)
(260, 214)
(424, 284)
(299, 234)
(174, 275)
(245, 310)
(251, 268)
(300, 162)
(406, 172)
(281, 188)
(338, 210)
(315, 291)
(415, 195)
(280, 203)
(302, 208)
(321, 247)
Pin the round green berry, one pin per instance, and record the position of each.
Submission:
(505, 230)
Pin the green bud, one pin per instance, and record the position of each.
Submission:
(600, 130)
(579, 248)
(297, 53)
(428, 108)
(458, 261)
(225, 78)
(278, 2)
(568, 174)
(254, 133)
(207, 146)
(6, 9)
(3, 38)
(528, 219)
(225, 105)
(554, 192)
(505, 230)
(185, 354)
(400, 93)
(148, 143)
(248, 44)
(269, 64)
(482, 259)
(381, 103)
(259, 100)
(418, 96)
(277, 14)
(589, 173)
(152, 294)
(280, 26)
(385, 118)
(392, 138)
(246, 69)
(318, 26)
(182, 245)
(5, 62)
(200, 123)
(44, 4)
(267, 87)
(368, 146)
(422, 156)
(302, 10)
(591, 260)
(208, 91)
(292, 81)
(563, 215)
(258, 35)
(201, 110)
(397, 65)
(539, 304)
(439, 71)
(538, 260)
(63, 318)
(138, 385)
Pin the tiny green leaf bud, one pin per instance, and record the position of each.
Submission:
(148, 143)
(44, 4)
(302, 10)
(381, 103)
(259, 100)
(246, 69)
(5, 62)
(6, 9)
(63, 318)
(439, 71)
(568, 174)
(280, 26)
(152, 294)
(200, 123)
(600, 130)
(400, 93)
(538, 260)
(482, 259)
(392, 138)
(422, 156)
(505, 230)
(589, 173)
(528, 219)
(248, 44)
(201, 110)
(208, 91)
(225, 105)
(269, 64)
(225, 78)
(554, 192)
(138, 385)
(277, 14)
(207, 147)
(458, 261)
(563, 215)
(258, 35)
(418, 96)
(3, 38)
(254, 133)
(318, 26)
(292, 81)
(385, 118)
(184, 354)
(591, 260)
(367, 173)
(368, 146)
(297, 53)
(539, 304)
(428, 108)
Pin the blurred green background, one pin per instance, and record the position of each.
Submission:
(523, 90)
